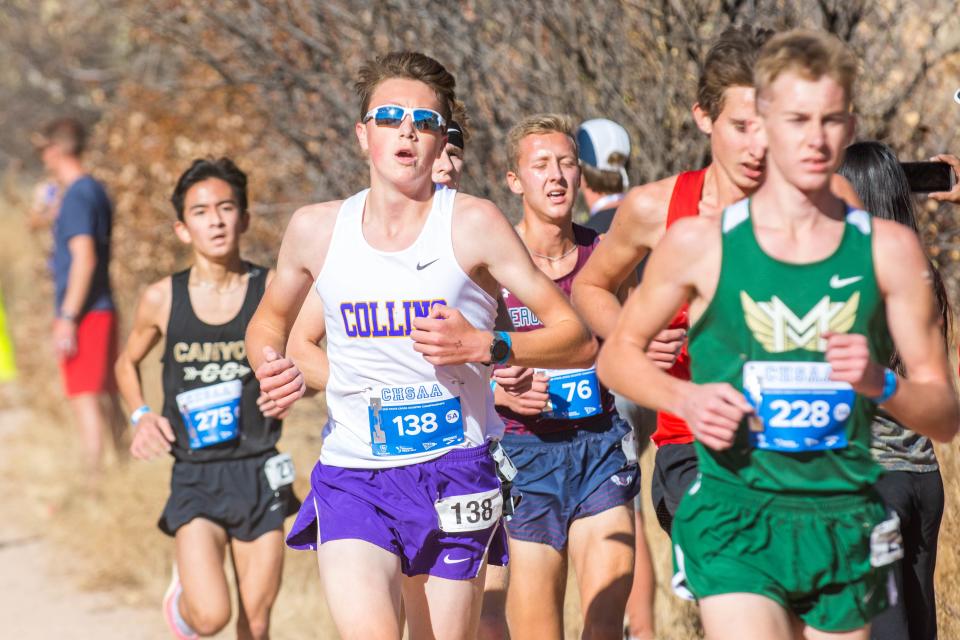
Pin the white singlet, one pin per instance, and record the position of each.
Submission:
(387, 405)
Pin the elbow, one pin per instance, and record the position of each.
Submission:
(950, 428)
(295, 349)
(586, 355)
(605, 364)
(946, 434)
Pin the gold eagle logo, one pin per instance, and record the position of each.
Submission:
(779, 329)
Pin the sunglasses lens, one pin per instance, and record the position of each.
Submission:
(425, 120)
(388, 116)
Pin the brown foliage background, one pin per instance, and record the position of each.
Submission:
(269, 82)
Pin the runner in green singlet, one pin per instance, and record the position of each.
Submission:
(792, 320)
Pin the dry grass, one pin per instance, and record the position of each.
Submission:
(110, 533)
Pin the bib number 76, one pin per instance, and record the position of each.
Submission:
(580, 388)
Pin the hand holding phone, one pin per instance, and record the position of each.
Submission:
(951, 193)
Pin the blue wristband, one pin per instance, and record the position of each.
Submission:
(890, 383)
(139, 413)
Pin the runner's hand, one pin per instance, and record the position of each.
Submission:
(151, 437)
(281, 382)
(446, 337)
(849, 357)
(514, 379)
(529, 403)
(270, 409)
(665, 347)
(954, 194)
(714, 412)
(65, 337)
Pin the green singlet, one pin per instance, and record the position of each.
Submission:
(788, 511)
(763, 334)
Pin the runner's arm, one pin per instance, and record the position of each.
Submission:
(616, 257)
(152, 309)
(488, 249)
(564, 341)
(302, 252)
(304, 348)
(925, 401)
(713, 411)
(277, 311)
(153, 433)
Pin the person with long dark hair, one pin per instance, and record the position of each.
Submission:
(912, 485)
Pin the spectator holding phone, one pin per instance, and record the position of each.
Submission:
(953, 195)
(911, 484)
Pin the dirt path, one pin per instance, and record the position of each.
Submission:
(39, 598)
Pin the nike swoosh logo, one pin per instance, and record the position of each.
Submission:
(448, 560)
(421, 267)
(837, 282)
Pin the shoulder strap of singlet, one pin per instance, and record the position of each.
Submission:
(179, 297)
(685, 199)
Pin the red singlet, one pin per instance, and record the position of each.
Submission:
(685, 201)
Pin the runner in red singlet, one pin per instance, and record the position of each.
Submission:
(726, 112)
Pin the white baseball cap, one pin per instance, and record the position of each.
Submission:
(598, 139)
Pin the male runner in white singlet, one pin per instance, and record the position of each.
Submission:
(407, 495)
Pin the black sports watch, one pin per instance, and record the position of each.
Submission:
(500, 347)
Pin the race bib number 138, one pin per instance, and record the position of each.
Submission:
(471, 512)
(414, 418)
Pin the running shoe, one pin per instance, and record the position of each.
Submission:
(170, 600)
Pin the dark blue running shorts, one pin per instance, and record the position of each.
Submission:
(569, 475)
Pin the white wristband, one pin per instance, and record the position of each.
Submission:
(139, 413)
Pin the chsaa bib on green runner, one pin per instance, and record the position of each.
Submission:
(763, 334)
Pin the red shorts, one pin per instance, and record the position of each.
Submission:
(90, 369)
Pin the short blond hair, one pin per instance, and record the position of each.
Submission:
(809, 54)
(538, 124)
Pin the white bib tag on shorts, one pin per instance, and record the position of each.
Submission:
(797, 407)
(279, 470)
(211, 414)
(886, 543)
(470, 512)
(629, 446)
(574, 394)
(413, 418)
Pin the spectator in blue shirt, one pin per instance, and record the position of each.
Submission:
(84, 331)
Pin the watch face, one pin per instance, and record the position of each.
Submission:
(499, 349)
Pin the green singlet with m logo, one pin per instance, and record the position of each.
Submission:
(763, 333)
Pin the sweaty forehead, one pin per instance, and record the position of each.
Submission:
(547, 144)
(404, 92)
(792, 91)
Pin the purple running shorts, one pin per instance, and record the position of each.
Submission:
(440, 517)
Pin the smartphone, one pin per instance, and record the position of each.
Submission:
(927, 177)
